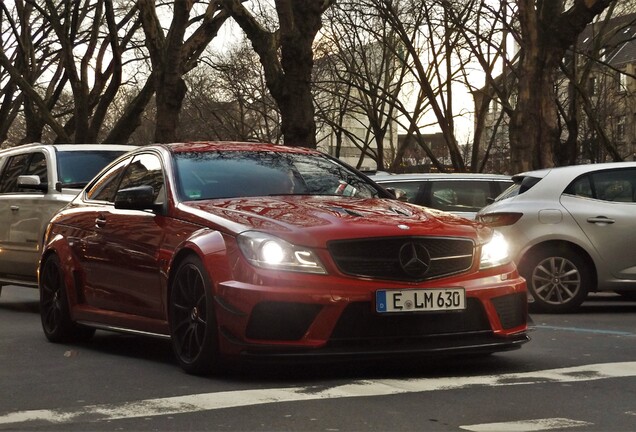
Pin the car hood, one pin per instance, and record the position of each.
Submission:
(315, 220)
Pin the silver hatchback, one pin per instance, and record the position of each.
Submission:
(36, 180)
(572, 231)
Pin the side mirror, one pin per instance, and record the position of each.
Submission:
(136, 198)
(32, 182)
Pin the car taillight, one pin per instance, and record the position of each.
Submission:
(499, 219)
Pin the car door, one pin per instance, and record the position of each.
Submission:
(23, 214)
(126, 261)
(603, 205)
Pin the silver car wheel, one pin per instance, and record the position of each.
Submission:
(556, 280)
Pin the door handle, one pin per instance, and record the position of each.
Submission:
(100, 221)
(600, 220)
(14, 208)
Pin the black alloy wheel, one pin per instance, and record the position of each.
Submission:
(193, 325)
(54, 306)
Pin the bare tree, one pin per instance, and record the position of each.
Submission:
(591, 96)
(27, 52)
(357, 82)
(173, 55)
(64, 46)
(286, 55)
(232, 101)
(548, 30)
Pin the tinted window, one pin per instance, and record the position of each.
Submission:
(459, 195)
(611, 185)
(105, 187)
(411, 189)
(144, 170)
(23, 164)
(77, 168)
(37, 166)
(230, 174)
(520, 186)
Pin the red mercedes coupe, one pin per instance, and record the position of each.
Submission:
(243, 250)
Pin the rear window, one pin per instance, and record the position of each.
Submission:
(77, 168)
(520, 185)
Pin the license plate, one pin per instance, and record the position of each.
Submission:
(420, 300)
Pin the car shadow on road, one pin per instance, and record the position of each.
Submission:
(129, 347)
(607, 303)
(438, 367)
(29, 306)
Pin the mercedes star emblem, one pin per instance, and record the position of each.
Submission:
(414, 259)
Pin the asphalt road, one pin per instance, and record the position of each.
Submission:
(578, 373)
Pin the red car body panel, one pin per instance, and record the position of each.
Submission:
(118, 265)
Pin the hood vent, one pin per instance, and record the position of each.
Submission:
(345, 212)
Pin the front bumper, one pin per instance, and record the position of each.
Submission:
(304, 319)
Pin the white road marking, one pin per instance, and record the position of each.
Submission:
(527, 425)
(362, 388)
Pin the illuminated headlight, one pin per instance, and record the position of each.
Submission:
(266, 251)
(495, 252)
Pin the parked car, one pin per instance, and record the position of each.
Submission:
(462, 194)
(572, 231)
(250, 250)
(36, 180)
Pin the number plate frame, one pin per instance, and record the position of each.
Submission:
(420, 300)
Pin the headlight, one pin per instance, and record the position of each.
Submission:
(495, 252)
(266, 251)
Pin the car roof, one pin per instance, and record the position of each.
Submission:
(573, 170)
(437, 176)
(207, 146)
(72, 147)
(80, 147)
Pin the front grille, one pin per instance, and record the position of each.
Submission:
(512, 309)
(359, 323)
(391, 258)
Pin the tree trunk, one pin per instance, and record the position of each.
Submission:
(131, 118)
(533, 125)
(288, 78)
(170, 93)
(547, 31)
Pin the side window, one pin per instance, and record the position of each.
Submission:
(145, 170)
(581, 187)
(460, 195)
(105, 187)
(15, 167)
(500, 187)
(611, 185)
(411, 189)
(37, 166)
(615, 185)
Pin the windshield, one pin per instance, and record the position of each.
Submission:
(231, 174)
(77, 168)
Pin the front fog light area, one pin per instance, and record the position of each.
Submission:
(267, 251)
(495, 252)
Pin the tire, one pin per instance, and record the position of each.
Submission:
(54, 307)
(558, 279)
(193, 327)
